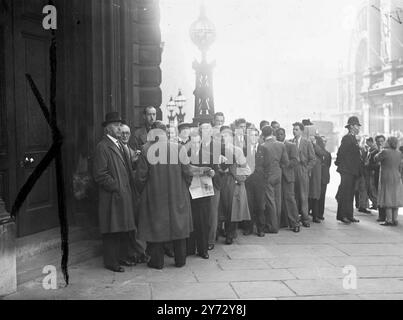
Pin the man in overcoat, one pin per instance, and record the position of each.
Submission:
(113, 174)
(165, 210)
(306, 161)
(349, 165)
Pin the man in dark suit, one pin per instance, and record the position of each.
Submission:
(253, 185)
(349, 164)
(306, 161)
(272, 155)
(113, 174)
(289, 214)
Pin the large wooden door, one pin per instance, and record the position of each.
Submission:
(33, 136)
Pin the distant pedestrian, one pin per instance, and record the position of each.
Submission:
(326, 164)
(390, 194)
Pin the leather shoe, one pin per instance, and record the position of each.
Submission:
(204, 256)
(387, 224)
(316, 220)
(306, 224)
(229, 241)
(127, 263)
(362, 210)
(155, 267)
(261, 234)
(180, 265)
(117, 269)
(248, 233)
(345, 220)
(321, 218)
(380, 220)
(211, 247)
(353, 220)
(296, 229)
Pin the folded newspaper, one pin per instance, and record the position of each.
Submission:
(201, 187)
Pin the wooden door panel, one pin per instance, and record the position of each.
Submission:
(32, 44)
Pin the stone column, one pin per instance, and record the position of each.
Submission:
(365, 116)
(8, 266)
(386, 114)
(374, 34)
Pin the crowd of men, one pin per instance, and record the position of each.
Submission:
(262, 182)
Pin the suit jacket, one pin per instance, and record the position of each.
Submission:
(272, 155)
(140, 138)
(117, 193)
(306, 154)
(288, 171)
(349, 157)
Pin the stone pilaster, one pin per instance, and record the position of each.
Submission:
(8, 266)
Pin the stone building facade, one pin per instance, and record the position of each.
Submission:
(371, 82)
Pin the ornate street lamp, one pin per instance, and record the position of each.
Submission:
(180, 102)
(203, 35)
(171, 107)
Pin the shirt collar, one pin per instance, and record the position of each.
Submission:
(114, 140)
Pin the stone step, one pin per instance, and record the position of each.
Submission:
(79, 251)
(31, 246)
(36, 251)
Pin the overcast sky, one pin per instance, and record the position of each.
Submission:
(274, 58)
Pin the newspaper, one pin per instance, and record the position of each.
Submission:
(201, 187)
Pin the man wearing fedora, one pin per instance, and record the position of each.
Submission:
(348, 162)
(114, 175)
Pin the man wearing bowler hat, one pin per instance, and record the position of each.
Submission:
(348, 162)
(113, 174)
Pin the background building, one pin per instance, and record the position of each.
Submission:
(371, 81)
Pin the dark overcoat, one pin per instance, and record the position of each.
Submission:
(315, 180)
(116, 189)
(348, 156)
(165, 210)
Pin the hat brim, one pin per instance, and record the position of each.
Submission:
(357, 124)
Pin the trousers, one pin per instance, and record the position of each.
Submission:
(289, 215)
(345, 196)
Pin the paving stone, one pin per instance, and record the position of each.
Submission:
(194, 291)
(247, 252)
(317, 287)
(262, 289)
(371, 250)
(254, 264)
(304, 251)
(297, 262)
(366, 261)
(317, 273)
(244, 275)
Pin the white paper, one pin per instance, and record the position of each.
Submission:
(201, 187)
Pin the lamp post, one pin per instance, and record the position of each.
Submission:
(180, 102)
(203, 35)
(171, 107)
